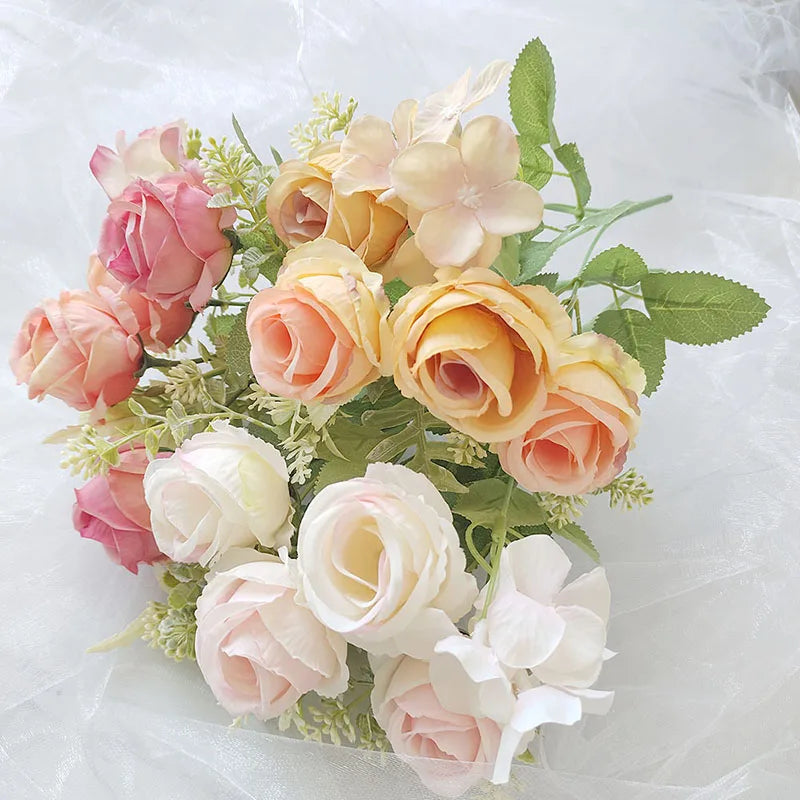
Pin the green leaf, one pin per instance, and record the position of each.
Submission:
(537, 166)
(393, 446)
(337, 470)
(439, 476)
(620, 265)
(243, 139)
(533, 255)
(532, 92)
(395, 289)
(124, 638)
(699, 308)
(221, 199)
(483, 503)
(578, 536)
(220, 326)
(638, 337)
(547, 279)
(253, 258)
(237, 353)
(507, 263)
(572, 160)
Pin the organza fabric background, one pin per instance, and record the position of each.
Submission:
(664, 95)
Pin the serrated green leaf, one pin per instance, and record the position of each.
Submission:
(337, 470)
(237, 353)
(221, 200)
(253, 258)
(255, 239)
(638, 337)
(700, 308)
(219, 327)
(394, 445)
(578, 536)
(395, 289)
(570, 157)
(533, 256)
(532, 92)
(483, 504)
(546, 279)
(507, 262)
(439, 476)
(537, 166)
(620, 265)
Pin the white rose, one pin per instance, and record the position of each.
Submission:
(220, 489)
(258, 650)
(379, 561)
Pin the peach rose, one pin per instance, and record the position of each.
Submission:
(161, 239)
(160, 327)
(153, 153)
(258, 650)
(477, 351)
(451, 751)
(303, 205)
(74, 348)
(581, 438)
(316, 335)
(111, 510)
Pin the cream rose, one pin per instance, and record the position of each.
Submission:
(581, 438)
(477, 351)
(222, 488)
(260, 651)
(451, 750)
(303, 205)
(379, 561)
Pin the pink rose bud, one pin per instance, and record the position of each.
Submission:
(159, 326)
(76, 349)
(111, 510)
(154, 153)
(163, 240)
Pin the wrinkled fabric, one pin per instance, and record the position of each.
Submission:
(688, 96)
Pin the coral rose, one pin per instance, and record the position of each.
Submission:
(153, 153)
(159, 326)
(76, 349)
(316, 335)
(303, 205)
(451, 751)
(111, 510)
(162, 240)
(477, 351)
(260, 651)
(581, 438)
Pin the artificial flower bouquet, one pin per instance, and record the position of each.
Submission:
(356, 478)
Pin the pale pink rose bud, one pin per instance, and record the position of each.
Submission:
(159, 326)
(153, 153)
(260, 651)
(580, 440)
(111, 510)
(450, 750)
(161, 239)
(76, 349)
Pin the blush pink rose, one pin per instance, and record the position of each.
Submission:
(450, 751)
(111, 510)
(161, 239)
(153, 153)
(159, 326)
(258, 650)
(76, 349)
(580, 440)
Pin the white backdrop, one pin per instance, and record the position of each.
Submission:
(662, 95)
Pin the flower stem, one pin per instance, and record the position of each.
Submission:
(499, 535)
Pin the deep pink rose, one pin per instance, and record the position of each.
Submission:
(153, 153)
(160, 327)
(111, 510)
(76, 349)
(161, 239)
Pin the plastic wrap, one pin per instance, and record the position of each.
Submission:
(665, 95)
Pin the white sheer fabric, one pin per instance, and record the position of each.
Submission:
(668, 95)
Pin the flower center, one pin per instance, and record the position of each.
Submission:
(470, 197)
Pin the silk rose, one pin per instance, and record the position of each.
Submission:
(317, 334)
(580, 440)
(260, 651)
(221, 488)
(379, 561)
(111, 510)
(76, 349)
(477, 351)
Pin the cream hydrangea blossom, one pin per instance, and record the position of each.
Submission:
(463, 197)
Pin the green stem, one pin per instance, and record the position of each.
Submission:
(476, 554)
(225, 303)
(616, 289)
(499, 534)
